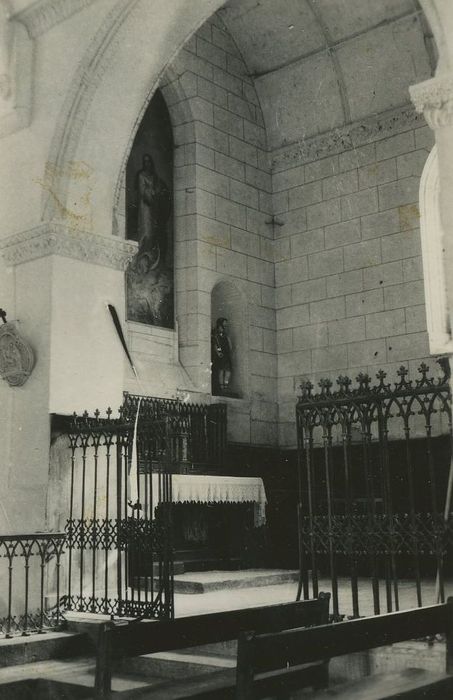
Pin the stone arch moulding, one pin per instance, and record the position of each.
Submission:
(432, 234)
(439, 14)
(120, 56)
(229, 300)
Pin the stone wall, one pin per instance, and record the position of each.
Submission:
(349, 281)
(223, 230)
(320, 239)
(341, 269)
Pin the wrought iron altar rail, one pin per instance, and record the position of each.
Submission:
(119, 520)
(199, 430)
(375, 482)
(30, 575)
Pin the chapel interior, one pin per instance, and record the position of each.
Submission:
(225, 333)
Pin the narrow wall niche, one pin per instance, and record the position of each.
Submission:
(228, 349)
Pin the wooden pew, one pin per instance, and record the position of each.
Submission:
(122, 640)
(276, 663)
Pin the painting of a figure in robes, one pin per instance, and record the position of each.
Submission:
(149, 219)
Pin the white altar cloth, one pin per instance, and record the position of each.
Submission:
(210, 488)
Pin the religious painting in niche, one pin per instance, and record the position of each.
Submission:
(149, 219)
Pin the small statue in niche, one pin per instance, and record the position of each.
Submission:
(221, 358)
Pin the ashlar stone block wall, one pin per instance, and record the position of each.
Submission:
(223, 220)
(349, 281)
(321, 238)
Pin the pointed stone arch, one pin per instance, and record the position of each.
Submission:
(180, 110)
(120, 57)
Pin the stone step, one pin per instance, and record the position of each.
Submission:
(21, 681)
(41, 647)
(200, 563)
(197, 582)
(70, 678)
(176, 664)
(227, 649)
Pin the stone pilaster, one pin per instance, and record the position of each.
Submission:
(434, 98)
(62, 281)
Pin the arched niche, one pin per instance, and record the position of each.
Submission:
(179, 111)
(227, 301)
(432, 236)
(149, 218)
(184, 349)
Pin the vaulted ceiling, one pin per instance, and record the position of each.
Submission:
(320, 64)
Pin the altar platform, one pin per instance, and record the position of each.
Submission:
(231, 597)
(200, 582)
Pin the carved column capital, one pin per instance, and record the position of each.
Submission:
(56, 239)
(434, 98)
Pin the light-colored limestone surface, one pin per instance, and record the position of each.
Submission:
(297, 167)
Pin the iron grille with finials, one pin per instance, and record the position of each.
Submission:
(30, 569)
(119, 534)
(375, 482)
(198, 430)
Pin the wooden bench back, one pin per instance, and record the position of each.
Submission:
(196, 630)
(147, 637)
(263, 653)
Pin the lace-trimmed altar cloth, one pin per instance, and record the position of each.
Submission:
(208, 488)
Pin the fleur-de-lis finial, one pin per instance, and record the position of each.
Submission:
(306, 388)
(424, 379)
(325, 385)
(380, 376)
(423, 369)
(402, 373)
(363, 380)
(344, 383)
